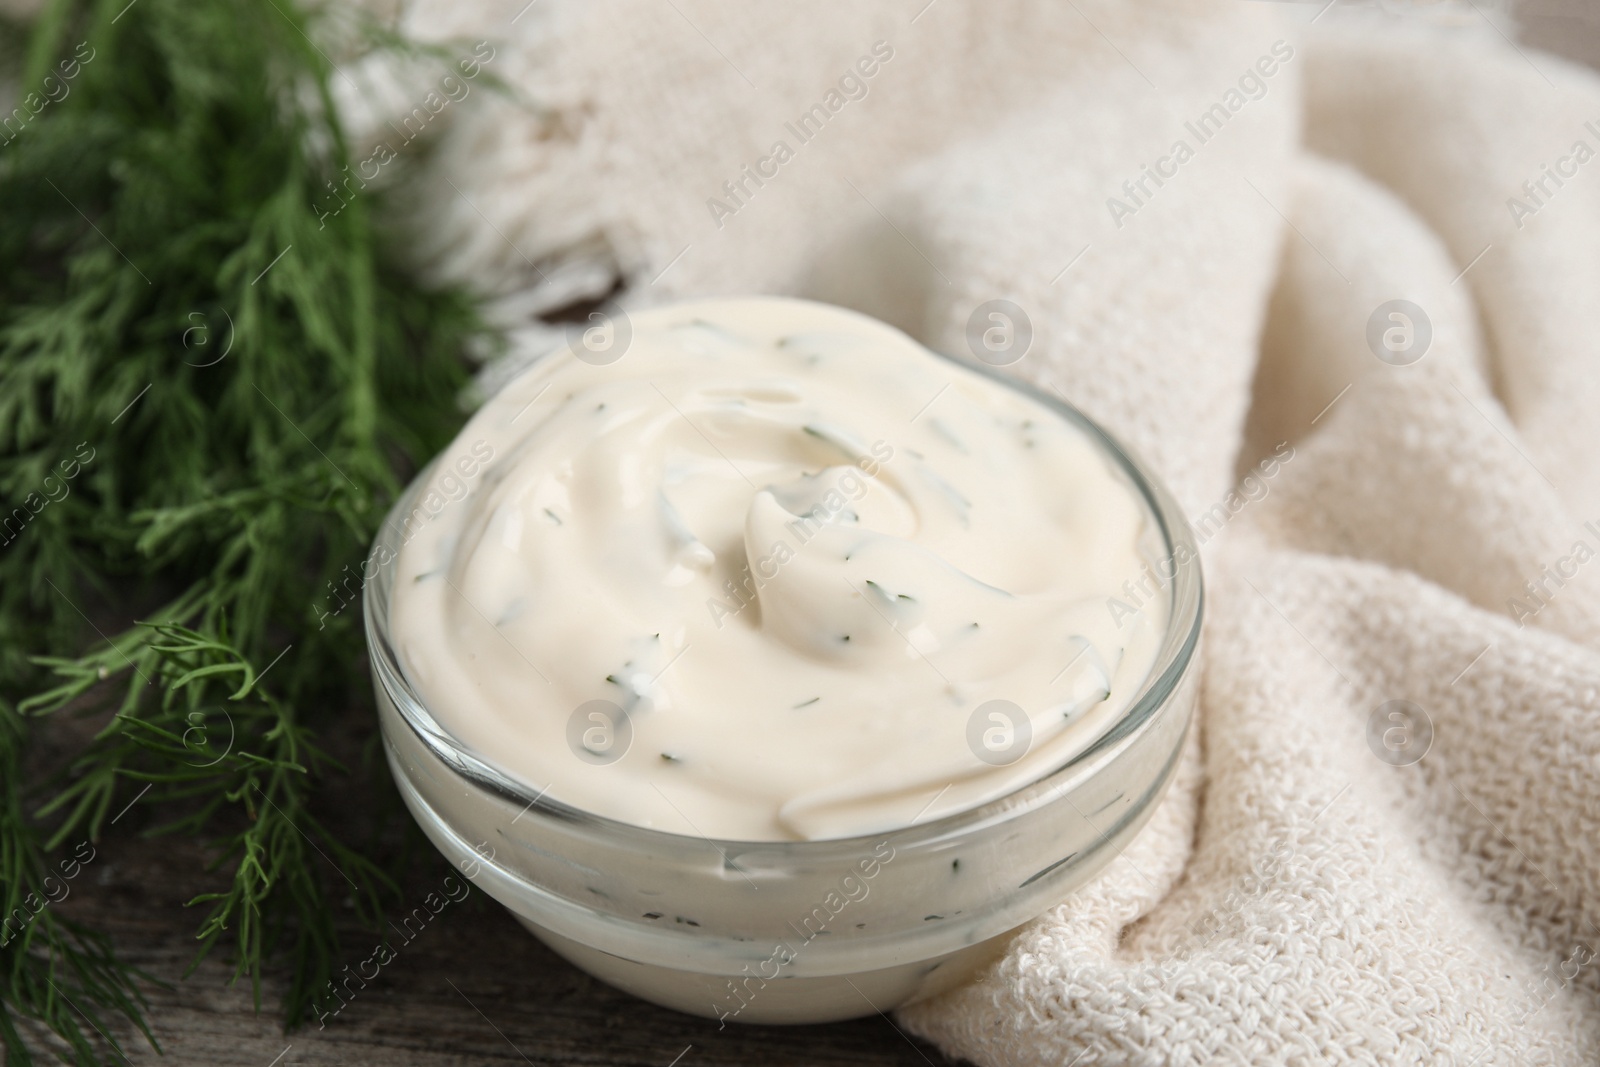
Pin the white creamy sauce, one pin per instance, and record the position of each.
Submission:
(798, 551)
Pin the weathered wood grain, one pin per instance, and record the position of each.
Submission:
(471, 988)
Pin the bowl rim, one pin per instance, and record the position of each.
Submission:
(1175, 657)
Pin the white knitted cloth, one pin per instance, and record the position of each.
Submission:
(1297, 899)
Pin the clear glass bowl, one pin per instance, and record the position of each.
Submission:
(797, 931)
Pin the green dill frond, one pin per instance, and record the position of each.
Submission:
(212, 384)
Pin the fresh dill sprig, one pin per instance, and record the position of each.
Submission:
(210, 390)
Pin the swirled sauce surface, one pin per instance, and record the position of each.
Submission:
(777, 572)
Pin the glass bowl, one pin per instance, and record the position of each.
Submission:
(797, 931)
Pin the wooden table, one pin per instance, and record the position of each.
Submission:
(472, 988)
